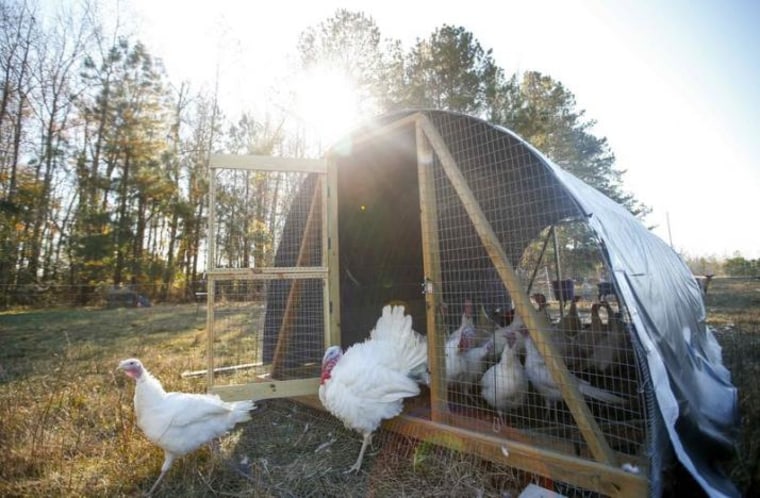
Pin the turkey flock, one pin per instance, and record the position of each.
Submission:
(368, 382)
(504, 361)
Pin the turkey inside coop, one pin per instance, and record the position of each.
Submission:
(501, 262)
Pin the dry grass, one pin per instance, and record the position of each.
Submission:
(67, 427)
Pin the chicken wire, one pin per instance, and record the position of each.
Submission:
(545, 238)
(248, 346)
(263, 323)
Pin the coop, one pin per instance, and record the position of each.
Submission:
(463, 223)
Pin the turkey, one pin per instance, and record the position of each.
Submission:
(541, 379)
(465, 358)
(600, 346)
(368, 383)
(501, 336)
(504, 385)
(178, 422)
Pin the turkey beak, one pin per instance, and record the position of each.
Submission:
(122, 366)
(511, 339)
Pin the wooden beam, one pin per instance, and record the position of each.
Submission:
(432, 268)
(211, 281)
(536, 322)
(267, 389)
(266, 163)
(271, 273)
(526, 455)
(333, 306)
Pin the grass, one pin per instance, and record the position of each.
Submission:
(67, 426)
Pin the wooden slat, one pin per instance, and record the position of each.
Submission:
(367, 135)
(536, 322)
(266, 163)
(270, 273)
(267, 389)
(211, 282)
(333, 306)
(432, 267)
(527, 456)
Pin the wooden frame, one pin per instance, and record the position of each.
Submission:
(597, 469)
(271, 388)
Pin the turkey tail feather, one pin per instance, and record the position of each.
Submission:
(395, 328)
(241, 411)
(600, 394)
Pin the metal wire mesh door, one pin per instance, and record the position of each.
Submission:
(267, 277)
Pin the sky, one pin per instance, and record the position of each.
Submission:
(674, 86)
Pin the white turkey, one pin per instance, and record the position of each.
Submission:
(179, 422)
(504, 385)
(466, 354)
(541, 379)
(368, 383)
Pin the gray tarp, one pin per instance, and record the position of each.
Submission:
(696, 398)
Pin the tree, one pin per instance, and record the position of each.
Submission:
(544, 113)
(57, 57)
(19, 33)
(449, 70)
(738, 266)
(121, 182)
(350, 44)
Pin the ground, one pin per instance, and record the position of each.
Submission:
(68, 427)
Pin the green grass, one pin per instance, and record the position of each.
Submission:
(67, 426)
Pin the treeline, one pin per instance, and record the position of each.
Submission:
(734, 266)
(104, 163)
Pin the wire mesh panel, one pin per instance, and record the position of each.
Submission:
(268, 278)
(531, 348)
(257, 338)
(498, 379)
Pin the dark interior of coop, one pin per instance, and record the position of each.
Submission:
(380, 237)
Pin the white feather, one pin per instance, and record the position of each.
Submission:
(369, 382)
(179, 422)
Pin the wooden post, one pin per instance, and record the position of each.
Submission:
(432, 268)
(210, 280)
(333, 307)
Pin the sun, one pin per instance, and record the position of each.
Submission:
(326, 103)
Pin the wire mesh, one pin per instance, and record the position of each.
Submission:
(496, 381)
(498, 388)
(267, 325)
(258, 337)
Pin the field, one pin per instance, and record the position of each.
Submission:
(67, 426)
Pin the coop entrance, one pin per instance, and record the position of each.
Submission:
(379, 234)
(268, 291)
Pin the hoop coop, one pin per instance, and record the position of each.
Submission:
(478, 235)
